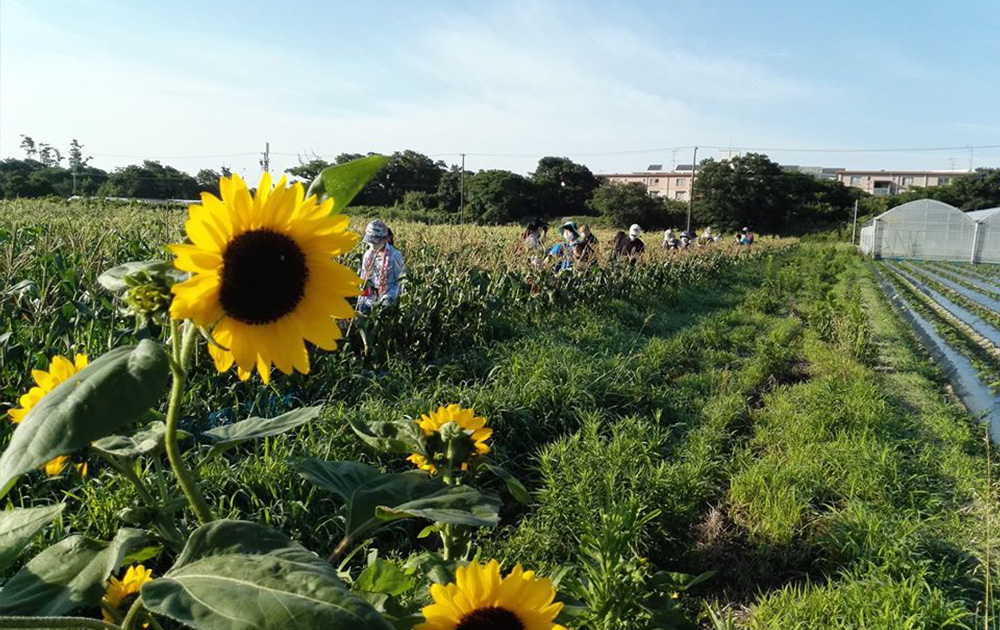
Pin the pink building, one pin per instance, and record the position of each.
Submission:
(677, 184)
(893, 182)
(669, 184)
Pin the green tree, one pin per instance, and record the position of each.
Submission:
(449, 190)
(151, 180)
(406, 171)
(564, 186)
(77, 162)
(308, 171)
(23, 178)
(49, 155)
(28, 145)
(498, 196)
(626, 203)
(31, 178)
(974, 191)
(746, 190)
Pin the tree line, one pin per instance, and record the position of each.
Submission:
(749, 190)
(42, 173)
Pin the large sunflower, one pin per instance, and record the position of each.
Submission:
(264, 279)
(480, 599)
(120, 593)
(60, 369)
(431, 425)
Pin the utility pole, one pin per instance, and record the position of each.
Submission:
(694, 171)
(265, 162)
(73, 172)
(461, 194)
(854, 228)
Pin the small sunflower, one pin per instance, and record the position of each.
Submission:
(120, 593)
(263, 275)
(466, 419)
(60, 369)
(480, 599)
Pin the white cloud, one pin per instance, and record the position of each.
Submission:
(536, 79)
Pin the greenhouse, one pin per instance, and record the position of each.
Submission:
(932, 230)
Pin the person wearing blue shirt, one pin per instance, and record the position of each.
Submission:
(563, 252)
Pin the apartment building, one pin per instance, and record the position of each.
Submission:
(674, 184)
(893, 182)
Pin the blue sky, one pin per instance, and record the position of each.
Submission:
(200, 84)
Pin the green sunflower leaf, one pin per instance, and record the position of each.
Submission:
(396, 436)
(228, 537)
(341, 478)
(374, 499)
(383, 576)
(18, 527)
(68, 575)
(460, 505)
(230, 435)
(146, 440)
(235, 575)
(344, 181)
(95, 402)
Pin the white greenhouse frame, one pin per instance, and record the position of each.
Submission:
(927, 229)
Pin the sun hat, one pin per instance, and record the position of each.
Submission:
(635, 230)
(375, 232)
(571, 226)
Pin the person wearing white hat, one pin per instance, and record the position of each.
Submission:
(381, 268)
(635, 246)
(670, 240)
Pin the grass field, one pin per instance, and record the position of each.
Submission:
(763, 415)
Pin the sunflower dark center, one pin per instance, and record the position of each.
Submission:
(490, 619)
(263, 277)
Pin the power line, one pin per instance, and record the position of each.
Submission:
(172, 157)
(583, 154)
(967, 147)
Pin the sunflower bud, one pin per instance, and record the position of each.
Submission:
(457, 445)
(452, 438)
(147, 295)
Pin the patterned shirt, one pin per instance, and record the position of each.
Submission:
(383, 270)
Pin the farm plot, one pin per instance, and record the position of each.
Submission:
(958, 313)
(757, 418)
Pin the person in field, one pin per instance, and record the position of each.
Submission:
(746, 237)
(635, 247)
(707, 237)
(586, 245)
(618, 245)
(533, 237)
(564, 252)
(382, 268)
(686, 239)
(670, 240)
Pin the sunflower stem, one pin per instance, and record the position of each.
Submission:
(134, 615)
(448, 538)
(179, 365)
(125, 470)
(339, 550)
(74, 623)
